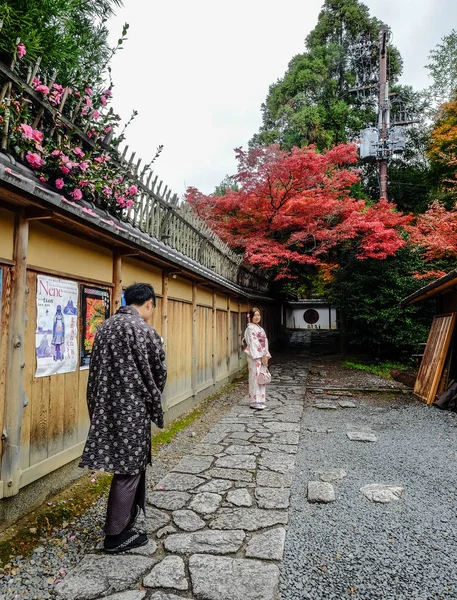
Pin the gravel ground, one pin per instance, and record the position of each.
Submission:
(349, 549)
(353, 548)
(35, 578)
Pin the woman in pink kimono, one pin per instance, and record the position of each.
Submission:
(258, 354)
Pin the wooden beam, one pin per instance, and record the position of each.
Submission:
(36, 214)
(117, 280)
(229, 334)
(214, 336)
(14, 388)
(194, 337)
(164, 319)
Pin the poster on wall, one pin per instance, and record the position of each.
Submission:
(95, 308)
(56, 339)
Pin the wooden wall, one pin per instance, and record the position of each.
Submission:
(202, 330)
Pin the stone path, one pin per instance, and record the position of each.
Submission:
(216, 523)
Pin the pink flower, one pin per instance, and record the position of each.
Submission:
(83, 183)
(57, 87)
(108, 129)
(88, 101)
(78, 152)
(65, 170)
(21, 50)
(108, 92)
(64, 158)
(98, 159)
(107, 191)
(89, 135)
(96, 115)
(34, 160)
(43, 89)
(121, 201)
(120, 179)
(83, 166)
(88, 91)
(37, 136)
(42, 178)
(59, 183)
(56, 153)
(35, 82)
(132, 190)
(27, 131)
(103, 100)
(77, 194)
(129, 203)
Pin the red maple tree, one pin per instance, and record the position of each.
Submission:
(435, 232)
(295, 208)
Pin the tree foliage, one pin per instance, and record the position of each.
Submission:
(368, 293)
(311, 104)
(443, 70)
(295, 209)
(443, 148)
(435, 232)
(70, 36)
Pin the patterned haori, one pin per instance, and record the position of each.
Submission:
(256, 348)
(126, 379)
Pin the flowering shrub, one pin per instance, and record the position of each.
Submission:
(59, 156)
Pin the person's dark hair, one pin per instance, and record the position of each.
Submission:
(139, 293)
(252, 312)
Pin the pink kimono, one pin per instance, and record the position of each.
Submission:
(256, 347)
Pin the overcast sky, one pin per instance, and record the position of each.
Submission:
(198, 71)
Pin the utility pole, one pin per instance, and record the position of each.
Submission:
(384, 112)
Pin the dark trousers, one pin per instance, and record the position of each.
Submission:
(126, 493)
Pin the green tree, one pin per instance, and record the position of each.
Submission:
(367, 295)
(70, 36)
(312, 103)
(228, 183)
(443, 70)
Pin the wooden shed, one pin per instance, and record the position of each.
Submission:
(438, 368)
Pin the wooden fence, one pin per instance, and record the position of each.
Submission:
(200, 311)
(44, 419)
(157, 212)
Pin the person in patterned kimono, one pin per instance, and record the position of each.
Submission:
(126, 379)
(258, 354)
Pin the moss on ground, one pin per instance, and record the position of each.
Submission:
(25, 534)
(381, 369)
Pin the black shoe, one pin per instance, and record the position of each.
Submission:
(127, 540)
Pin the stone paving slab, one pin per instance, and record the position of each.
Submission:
(228, 497)
(98, 575)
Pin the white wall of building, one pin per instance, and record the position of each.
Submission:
(297, 317)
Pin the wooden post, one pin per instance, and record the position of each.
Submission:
(240, 335)
(164, 319)
(229, 335)
(165, 309)
(14, 385)
(117, 280)
(214, 328)
(194, 337)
